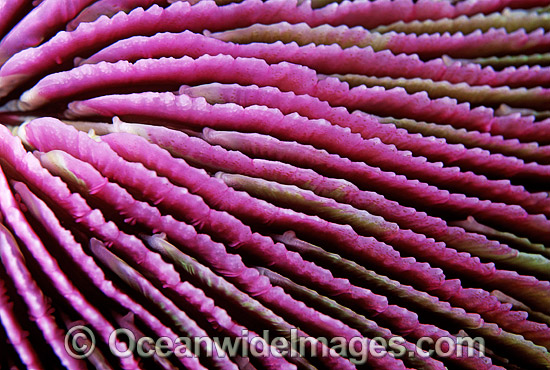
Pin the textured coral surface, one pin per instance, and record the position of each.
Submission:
(278, 184)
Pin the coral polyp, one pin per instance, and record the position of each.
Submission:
(275, 184)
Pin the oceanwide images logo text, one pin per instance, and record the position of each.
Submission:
(80, 343)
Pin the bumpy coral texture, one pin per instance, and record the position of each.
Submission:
(278, 184)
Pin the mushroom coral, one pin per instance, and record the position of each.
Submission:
(279, 184)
